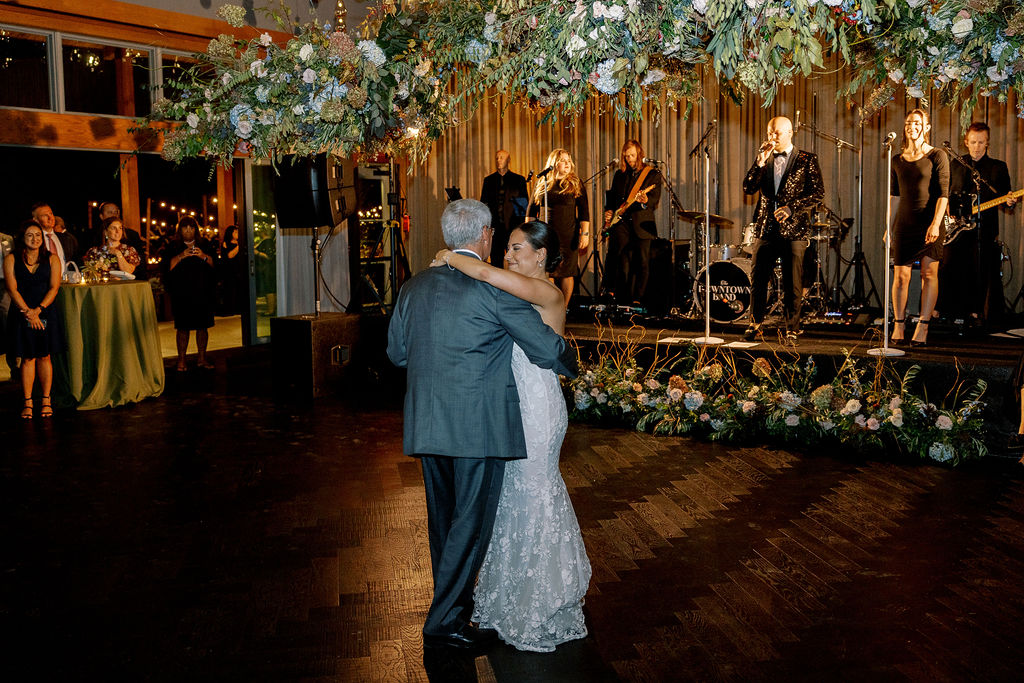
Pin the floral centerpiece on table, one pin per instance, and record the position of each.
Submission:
(708, 396)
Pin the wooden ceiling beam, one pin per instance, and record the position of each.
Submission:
(125, 22)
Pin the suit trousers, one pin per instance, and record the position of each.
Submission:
(765, 253)
(462, 499)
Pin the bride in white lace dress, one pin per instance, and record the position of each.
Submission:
(536, 572)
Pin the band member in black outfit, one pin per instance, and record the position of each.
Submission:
(920, 191)
(790, 186)
(504, 193)
(972, 285)
(635, 191)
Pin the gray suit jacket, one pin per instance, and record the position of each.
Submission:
(454, 335)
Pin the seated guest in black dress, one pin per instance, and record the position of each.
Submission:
(187, 266)
(33, 277)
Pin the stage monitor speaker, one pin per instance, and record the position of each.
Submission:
(312, 355)
(314, 191)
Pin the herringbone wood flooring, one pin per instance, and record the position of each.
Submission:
(215, 535)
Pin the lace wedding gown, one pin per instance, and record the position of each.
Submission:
(536, 572)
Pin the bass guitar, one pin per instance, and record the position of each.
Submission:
(958, 226)
(617, 216)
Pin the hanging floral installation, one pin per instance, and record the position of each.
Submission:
(418, 70)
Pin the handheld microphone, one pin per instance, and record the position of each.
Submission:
(889, 139)
(648, 160)
(529, 176)
(551, 168)
(766, 146)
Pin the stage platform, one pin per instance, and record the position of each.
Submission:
(951, 354)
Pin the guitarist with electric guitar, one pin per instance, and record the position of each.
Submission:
(629, 224)
(974, 256)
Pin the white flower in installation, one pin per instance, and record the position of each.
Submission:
(943, 422)
(306, 51)
(852, 406)
(792, 420)
(940, 452)
(266, 39)
(372, 52)
(192, 120)
(308, 76)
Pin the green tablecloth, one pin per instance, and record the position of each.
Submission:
(112, 346)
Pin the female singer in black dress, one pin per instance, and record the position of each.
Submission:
(187, 266)
(33, 278)
(568, 215)
(920, 182)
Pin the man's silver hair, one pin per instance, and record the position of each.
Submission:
(463, 222)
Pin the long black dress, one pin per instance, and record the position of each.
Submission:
(26, 342)
(565, 213)
(191, 284)
(919, 185)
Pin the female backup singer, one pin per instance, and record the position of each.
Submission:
(920, 180)
(568, 215)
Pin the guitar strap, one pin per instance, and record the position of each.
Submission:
(635, 190)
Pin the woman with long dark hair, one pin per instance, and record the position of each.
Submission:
(33, 279)
(536, 572)
(568, 214)
(920, 183)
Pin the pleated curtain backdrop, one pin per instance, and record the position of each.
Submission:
(466, 154)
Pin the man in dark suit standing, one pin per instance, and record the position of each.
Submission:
(637, 187)
(455, 334)
(63, 244)
(504, 193)
(789, 182)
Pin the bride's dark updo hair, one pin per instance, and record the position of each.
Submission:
(540, 236)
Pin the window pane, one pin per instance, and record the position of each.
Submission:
(174, 67)
(102, 79)
(24, 70)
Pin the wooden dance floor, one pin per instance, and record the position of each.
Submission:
(214, 534)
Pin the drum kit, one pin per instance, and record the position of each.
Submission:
(730, 269)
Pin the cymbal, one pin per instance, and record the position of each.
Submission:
(698, 217)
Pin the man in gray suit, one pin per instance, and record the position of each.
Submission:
(454, 334)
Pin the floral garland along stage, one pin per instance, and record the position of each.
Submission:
(707, 395)
(422, 69)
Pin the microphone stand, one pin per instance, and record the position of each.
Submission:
(597, 235)
(676, 207)
(884, 349)
(707, 339)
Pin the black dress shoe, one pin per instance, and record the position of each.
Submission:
(465, 638)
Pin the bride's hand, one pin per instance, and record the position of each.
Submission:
(440, 258)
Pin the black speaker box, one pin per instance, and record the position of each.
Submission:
(312, 355)
(314, 191)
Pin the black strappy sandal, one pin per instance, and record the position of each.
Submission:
(46, 410)
(26, 412)
(919, 344)
(902, 340)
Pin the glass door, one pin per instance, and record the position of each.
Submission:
(262, 231)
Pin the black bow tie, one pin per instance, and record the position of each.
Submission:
(779, 154)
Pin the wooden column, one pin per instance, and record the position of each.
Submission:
(130, 210)
(225, 199)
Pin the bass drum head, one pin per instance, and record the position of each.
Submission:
(730, 289)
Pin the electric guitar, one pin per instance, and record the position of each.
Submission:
(957, 226)
(617, 216)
